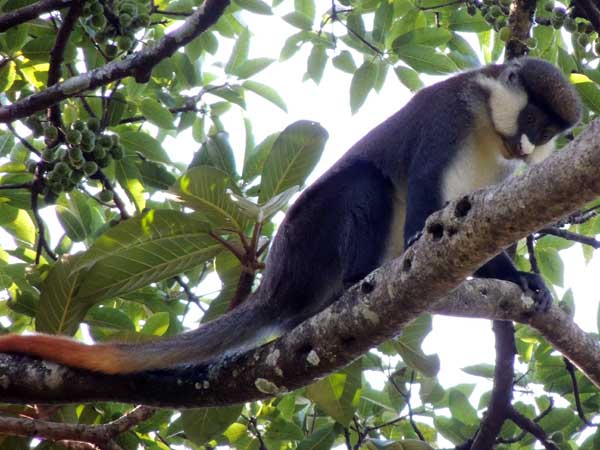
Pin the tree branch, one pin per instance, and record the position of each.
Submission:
(101, 435)
(456, 241)
(138, 65)
(22, 15)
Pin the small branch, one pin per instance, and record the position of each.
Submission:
(530, 426)
(22, 15)
(116, 198)
(569, 235)
(57, 56)
(23, 141)
(28, 185)
(580, 412)
(139, 65)
(42, 243)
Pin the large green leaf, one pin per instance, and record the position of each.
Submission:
(425, 59)
(203, 424)
(136, 142)
(157, 113)
(142, 250)
(338, 394)
(77, 216)
(362, 82)
(17, 222)
(266, 92)
(432, 37)
(293, 156)
(216, 151)
(239, 54)
(204, 188)
(58, 311)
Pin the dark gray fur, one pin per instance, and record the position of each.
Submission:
(339, 229)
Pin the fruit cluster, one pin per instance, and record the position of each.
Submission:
(115, 23)
(86, 150)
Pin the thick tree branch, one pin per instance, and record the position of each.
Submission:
(455, 242)
(520, 22)
(138, 65)
(22, 15)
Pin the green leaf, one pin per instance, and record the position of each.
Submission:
(156, 175)
(58, 311)
(344, 62)
(294, 155)
(409, 78)
(18, 223)
(157, 113)
(362, 82)
(135, 142)
(460, 20)
(77, 217)
(283, 430)
(111, 318)
(480, 370)
(157, 324)
(251, 67)
(461, 409)
(461, 45)
(8, 74)
(255, 159)
(338, 394)
(142, 250)
(266, 92)
(7, 142)
(239, 54)
(203, 424)
(587, 89)
(232, 94)
(204, 189)
(433, 37)
(306, 7)
(129, 178)
(425, 59)
(551, 265)
(255, 6)
(217, 152)
(116, 107)
(316, 63)
(321, 439)
(299, 20)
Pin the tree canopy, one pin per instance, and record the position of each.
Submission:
(116, 117)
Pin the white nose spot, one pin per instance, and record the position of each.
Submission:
(526, 146)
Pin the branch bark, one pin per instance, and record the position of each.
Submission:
(138, 65)
(26, 13)
(456, 241)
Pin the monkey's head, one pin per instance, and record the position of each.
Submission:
(530, 103)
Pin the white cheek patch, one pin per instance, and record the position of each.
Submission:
(541, 152)
(505, 105)
(526, 146)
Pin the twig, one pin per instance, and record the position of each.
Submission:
(42, 243)
(23, 141)
(531, 251)
(533, 428)
(569, 235)
(580, 412)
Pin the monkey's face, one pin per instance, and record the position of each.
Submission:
(534, 128)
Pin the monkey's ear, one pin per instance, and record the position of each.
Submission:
(510, 75)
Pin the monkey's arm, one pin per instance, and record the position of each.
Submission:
(501, 267)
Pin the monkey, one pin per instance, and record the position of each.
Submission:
(461, 134)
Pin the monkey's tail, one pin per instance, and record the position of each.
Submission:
(239, 329)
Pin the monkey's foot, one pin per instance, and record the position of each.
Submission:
(533, 285)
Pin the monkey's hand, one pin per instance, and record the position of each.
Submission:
(533, 285)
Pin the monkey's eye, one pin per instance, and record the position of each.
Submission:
(530, 119)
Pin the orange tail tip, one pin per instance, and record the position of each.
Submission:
(105, 358)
